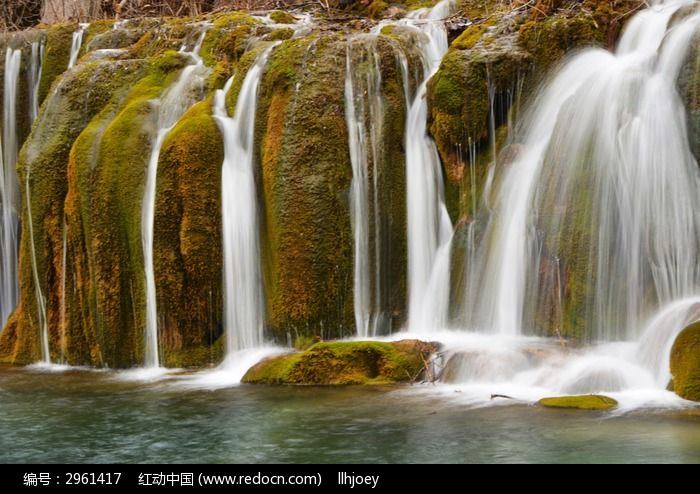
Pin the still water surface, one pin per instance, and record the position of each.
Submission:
(89, 416)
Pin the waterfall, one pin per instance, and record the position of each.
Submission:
(76, 44)
(243, 290)
(64, 274)
(34, 78)
(9, 187)
(177, 99)
(603, 193)
(429, 224)
(364, 114)
(42, 320)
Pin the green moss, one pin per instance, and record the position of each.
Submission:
(242, 67)
(307, 239)
(469, 37)
(548, 41)
(281, 17)
(220, 73)
(419, 4)
(581, 402)
(45, 160)
(377, 8)
(568, 257)
(407, 41)
(280, 34)
(303, 342)
(103, 209)
(204, 355)
(685, 363)
(306, 174)
(150, 41)
(227, 38)
(116, 194)
(56, 55)
(342, 363)
(460, 110)
(187, 238)
(140, 47)
(95, 29)
(477, 9)
(160, 67)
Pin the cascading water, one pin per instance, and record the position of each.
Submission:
(595, 216)
(42, 320)
(604, 190)
(187, 90)
(76, 44)
(9, 188)
(64, 275)
(34, 78)
(429, 224)
(243, 290)
(364, 112)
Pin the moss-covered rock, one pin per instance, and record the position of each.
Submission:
(227, 37)
(108, 166)
(597, 23)
(94, 29)
(59, 39)
(280, 34)
(374, 59)
(339, 363)
(187, 240)
(395, 9)
(281, 17)
(43, 168)
(112, 39)
(685, 363)
(469, 94)
(469, 37)
(580, 402)
(305, 177)
(479, 9)
(377, 8)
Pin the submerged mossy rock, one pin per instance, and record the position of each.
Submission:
(580, 402)
(685, 363)
(347, 362)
